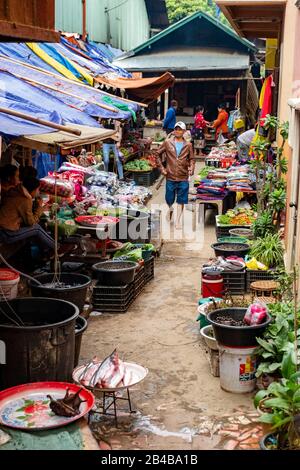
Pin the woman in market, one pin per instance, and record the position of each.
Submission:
(9, 177)
(198, 130)
(221, 123)
(113, 144)
(18, 220)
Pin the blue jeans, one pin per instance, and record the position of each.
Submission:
(106, 152)
(179, 189)
(35, 232)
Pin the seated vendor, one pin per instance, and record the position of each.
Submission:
(18, 221)
(9, 177)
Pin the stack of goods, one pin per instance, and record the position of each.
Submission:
(240, 179)
(231, 263)
(211, 189)
(223, 156)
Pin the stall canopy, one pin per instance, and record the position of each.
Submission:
(53, 142)
(146, 90)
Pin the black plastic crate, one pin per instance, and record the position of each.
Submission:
(139, 281)
(143, 179)
(149, 270)
(111, 291)
(255, 276)
(112, 307)
(234, 282)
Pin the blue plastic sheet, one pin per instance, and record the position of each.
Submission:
(21, 96)
(61, 59)
(22, 52)
(45, 163)
(89, 64)
(87, 94)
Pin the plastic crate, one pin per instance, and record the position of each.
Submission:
(113, 308)
(139, 282)
(149, 270)
(234, 282)
(143, 179)
(254, 276)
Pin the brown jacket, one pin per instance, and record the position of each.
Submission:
(178, 168)
(16, 210)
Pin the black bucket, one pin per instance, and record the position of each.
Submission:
(236, 336)
(41, 350)
(76, 295)
(81, 326)
(134, 226)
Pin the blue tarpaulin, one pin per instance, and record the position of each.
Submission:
(86, 93)
(61, 59)
(89, 64)
(19, 96)
(22, 52)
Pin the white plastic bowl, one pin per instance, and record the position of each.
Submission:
(210, 342)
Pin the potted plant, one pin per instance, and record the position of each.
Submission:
(268, 250)
(277, 340)
(280, 405)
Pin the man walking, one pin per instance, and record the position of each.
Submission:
(180, 166)
(170, 120)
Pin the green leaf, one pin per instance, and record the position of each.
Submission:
(288, 366)
(260, 396)
(279, 403)
(274, 366)
(267, 418)
(22, 417)
(269, 347)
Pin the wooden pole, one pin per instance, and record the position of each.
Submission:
(42, 122)
(84, 20)
(38, 84)
(68, 80)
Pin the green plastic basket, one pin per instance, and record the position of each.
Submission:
(232, 240)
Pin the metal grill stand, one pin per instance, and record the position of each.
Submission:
(113, 398)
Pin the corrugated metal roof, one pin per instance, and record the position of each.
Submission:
(183, 58)
(126, 22)
(196, 16)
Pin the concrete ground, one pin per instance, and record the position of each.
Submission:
(180, 405)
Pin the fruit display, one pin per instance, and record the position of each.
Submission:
(237, 217)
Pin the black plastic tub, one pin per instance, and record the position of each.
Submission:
(76, 293)
(115, 273)
(134, 226)
(43, 348)
(236, 336)
(80, 328)
(237, 249)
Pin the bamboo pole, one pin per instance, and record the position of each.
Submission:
(68, 80)
(42, 122)
(38, 84)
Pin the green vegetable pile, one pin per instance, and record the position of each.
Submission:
(131, 252)
(138, 165)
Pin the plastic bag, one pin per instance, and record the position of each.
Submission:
(256, 314)
(220, 139)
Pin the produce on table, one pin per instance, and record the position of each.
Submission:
(237, 217)
(66, 228)
(138, 165)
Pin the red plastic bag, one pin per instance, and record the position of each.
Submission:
(256, 314)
